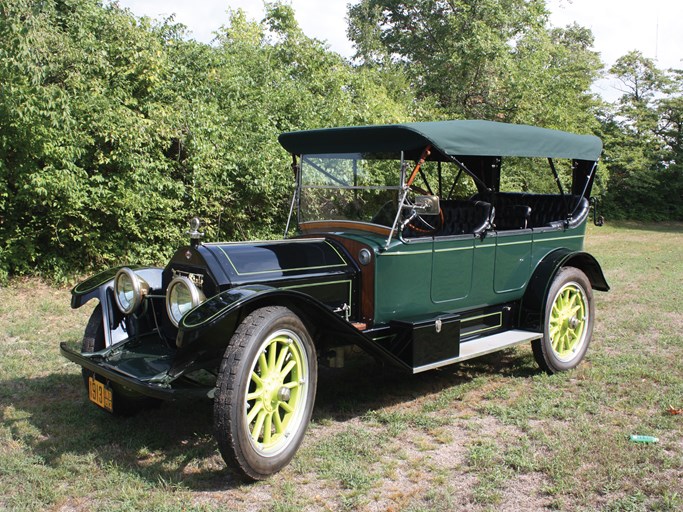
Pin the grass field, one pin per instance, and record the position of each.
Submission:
(491, 434)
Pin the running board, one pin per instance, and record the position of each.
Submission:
(485, 345)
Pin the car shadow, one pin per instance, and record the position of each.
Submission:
(363, 385)
(174, 443)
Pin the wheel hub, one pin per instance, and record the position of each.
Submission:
(283, 394)
(272, 393)
(573, 322)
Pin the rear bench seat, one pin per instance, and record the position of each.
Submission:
(519, 210)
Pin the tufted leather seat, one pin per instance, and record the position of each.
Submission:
(464, 217)
(512, 216)
(547, 210)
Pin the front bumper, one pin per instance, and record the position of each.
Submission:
(131, 382)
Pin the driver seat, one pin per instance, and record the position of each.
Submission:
(465, 217)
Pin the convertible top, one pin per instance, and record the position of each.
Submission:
(450, 138)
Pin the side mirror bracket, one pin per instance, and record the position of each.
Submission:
(425, 205)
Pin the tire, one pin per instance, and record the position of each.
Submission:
(265, 392)
(125, 402)
(568, 322)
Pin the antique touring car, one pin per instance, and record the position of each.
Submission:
(407, 242)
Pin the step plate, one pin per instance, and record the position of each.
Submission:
(485, 345)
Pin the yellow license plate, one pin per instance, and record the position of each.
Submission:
(100, 394)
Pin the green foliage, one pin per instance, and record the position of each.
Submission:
(487, 59)
(83, 139)
(456, 52)
(642, 135)
(116, 129)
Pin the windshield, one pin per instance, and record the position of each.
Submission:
(354, 186)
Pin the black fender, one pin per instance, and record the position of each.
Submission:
(101, 287)
(533, 302)
(204, 332)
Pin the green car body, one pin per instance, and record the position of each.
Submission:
(406, 243)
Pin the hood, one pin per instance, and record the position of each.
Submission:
(218, 266)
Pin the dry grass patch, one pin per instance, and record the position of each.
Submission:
(489, 434)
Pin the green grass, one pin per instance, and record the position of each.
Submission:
(485, 434)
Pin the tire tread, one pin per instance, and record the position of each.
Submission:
(228, 387)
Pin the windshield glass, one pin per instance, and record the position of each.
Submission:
(355, 187)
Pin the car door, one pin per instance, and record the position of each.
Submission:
(452, 268)
(513, 260)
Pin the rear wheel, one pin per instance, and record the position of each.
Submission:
(568, 322)
(265, 392)
(125, 402)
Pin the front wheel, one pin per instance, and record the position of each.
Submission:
(568, 322)
(265, 392)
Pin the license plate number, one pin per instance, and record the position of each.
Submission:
(100, 394)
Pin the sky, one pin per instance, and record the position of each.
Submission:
(619, 26)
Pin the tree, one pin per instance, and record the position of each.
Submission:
(82, 137)
(670, 130)
(486, 59)
(261, 79)
(642, 141)
(641, 81)
(115, 129)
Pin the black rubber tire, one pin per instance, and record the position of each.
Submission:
(544, 354)
(125, 401)
(232, 385)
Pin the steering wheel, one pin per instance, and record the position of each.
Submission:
(420, 225)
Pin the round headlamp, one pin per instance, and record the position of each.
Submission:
(181, 296)
(129, 289)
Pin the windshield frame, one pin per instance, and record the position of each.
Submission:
(304, 159)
